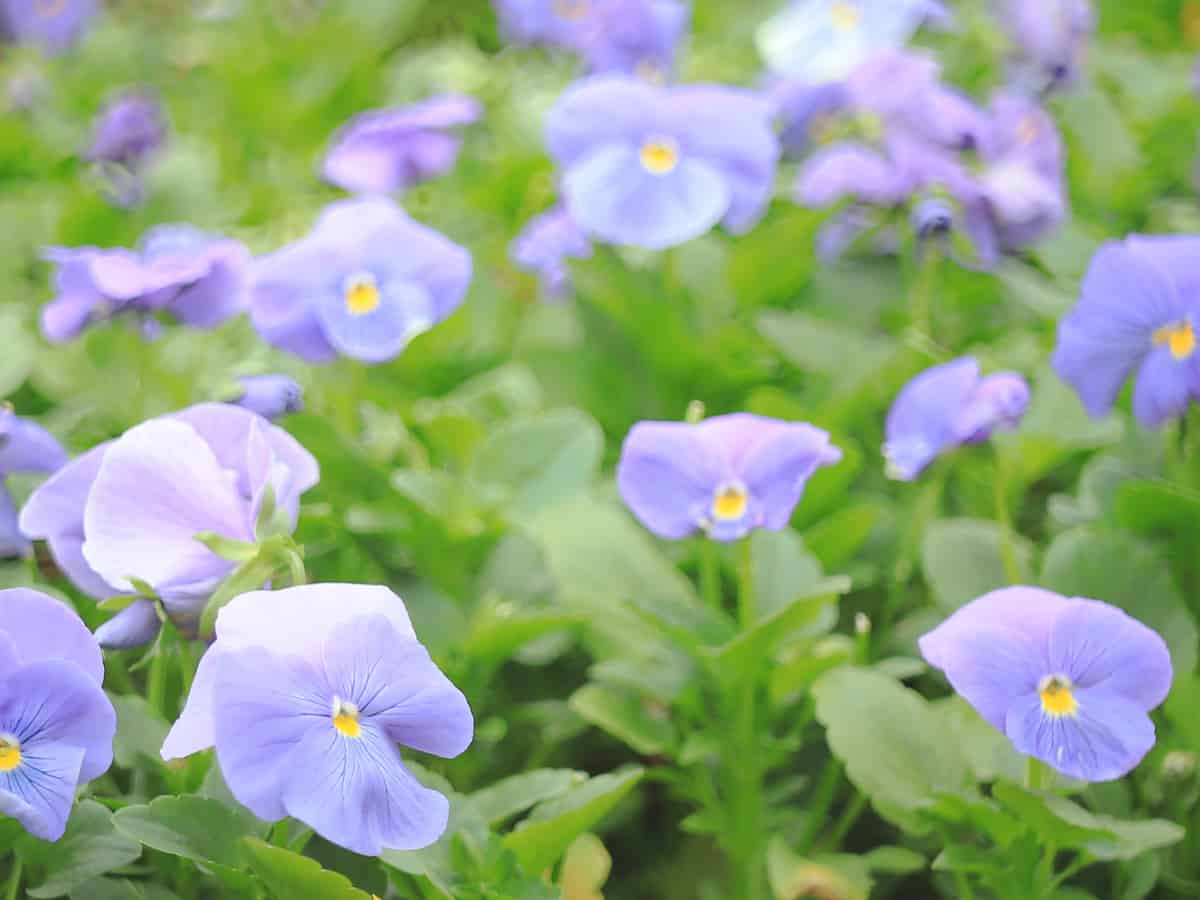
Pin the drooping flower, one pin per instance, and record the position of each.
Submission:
(363, 283)
(945, 407)
(305, 695)
(56, 724)
(24, 447)
(1136, 316)
(724, 476)
(386, 150)
(53, 25)
(628, 36)
(197, 278)
(544, 246)
(655, 167)
(132, 507)
(826, 40)
(127, 134)
(270, 396)
(1068, 680)
(1051, 37)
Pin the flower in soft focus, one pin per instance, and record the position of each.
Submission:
(364, 282)
(724, 476)
(635, 37)
(271, 396)
(1136, 316)
(305, 695)
(56, 724)
(948, 406)
(826, 40)
(804, 111)
(654, 167)
(53, 25)
(1051, 37)
(544, 246)
(197, 278)
(387, 150)
(24, 447)
(1068, 680)
(127, 134)
(132, 507)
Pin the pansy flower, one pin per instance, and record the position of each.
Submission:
(724, 476)
(270, 396)
(545, 244)
(305, 694)
(388, 150)
(53, 25)
(196, 278)
(24, 447)
(1136, 316)
(1050, 36)
(132, 507)
(1070, 681)
(826, 40)
(56, 724)
(127, 134)
(945, 407)
(654, 167)
(805, 111)
(363, 283)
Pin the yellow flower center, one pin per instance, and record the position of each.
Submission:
(1180, 338)
(10, 753)
(361, 294)
(1056, 696)
(1028, 130)
(571, 10)
(729, 502)
(845, 15)
(345, 718)
(659, 155)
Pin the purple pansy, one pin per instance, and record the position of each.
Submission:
(654, 167)
(24, 447)
(1051, 37)
(948, 406)
(197, 278)
(803, 109)
(627, 36)
(363, 283)
(1068, 680)
(127, 134)
(544, 246)
(53, 25)
(56, 724)
(270, 396)
(1136, 315)
(132, 507)
(305, 695)
(388, 150)
(724, 476)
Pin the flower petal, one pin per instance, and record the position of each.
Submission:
(598, 112)
(39, 792)
(405, 310)
(42, 628)
(1163, 388)
(134, 626)
(776, 470)
(667, 475)
(922, 421)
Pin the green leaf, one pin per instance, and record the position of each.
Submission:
(962, 559)
(90, 847)
(18, 357)
(623, 714)
(1126, 572)
(193, 827)
(518, 793)
(140, 731)
(782, 570)
(121, 889)
(890, 740)
(846, 355)
(290, 876)
(541, 839)
(988, 752)
(540, 461)
(894, 860)
(498, 630)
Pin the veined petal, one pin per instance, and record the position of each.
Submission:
(776, 471)
(1106, 737)
(40, 791)
(357, 793)
(668, 475)
(1029, 610)
(1163, 388)
(42, 628)
(598, 112)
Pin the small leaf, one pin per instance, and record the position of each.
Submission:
(140, 730)
(290, 876)
(623, 714)
(518, 793)
(193, 827)
(90, 847)
(963, 559)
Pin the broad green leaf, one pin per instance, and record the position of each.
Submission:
(623, 714)
(197, 828)
(989, 753)
(121, 889)
(140, 731)
(889, 738)
(498, 630)
(541, 839)
(1126, 572)
(90, 847)
(846, 355)
(782, 570)
(290, 876)
(518, 793)
(17, 360)
(964, 558)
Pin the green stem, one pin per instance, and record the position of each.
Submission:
(845, 822)
(745, 571)
(710, 573)
(296, 569)
(1008, 549)
(822, 800)
(744, 764)
(14, 880)
(1072, 868)
(922, 290)
(156, 688)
